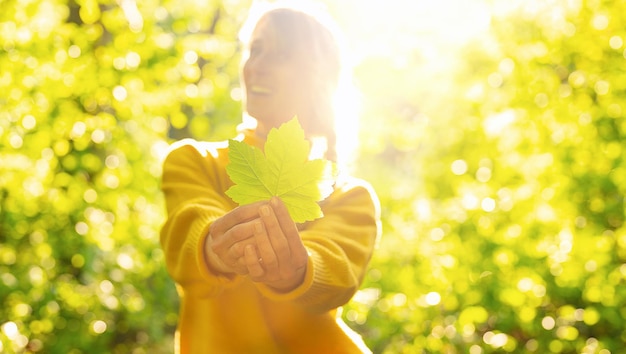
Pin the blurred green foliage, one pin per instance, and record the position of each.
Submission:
(500, 176)
(503, 192)
(91, 92)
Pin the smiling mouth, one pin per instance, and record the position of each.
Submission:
(262, 90)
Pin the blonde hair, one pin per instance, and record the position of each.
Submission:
(309, 33)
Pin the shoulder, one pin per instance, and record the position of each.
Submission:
(354, 190)
(202, 148)
(189, 155)
(189, 150)
(353, 184)
(353, 202)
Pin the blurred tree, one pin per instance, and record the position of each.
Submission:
(91, 92)
(504, 221)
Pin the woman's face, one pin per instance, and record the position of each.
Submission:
(272, 78)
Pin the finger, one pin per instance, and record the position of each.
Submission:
(290, 231)
(236, 265)
(230, 247)
(276, 235)
(221, 264)
(236, 252)
(253, 263)
(234, 217)
(284, 219)
(241, 269)
(229, 239)
(265, 249)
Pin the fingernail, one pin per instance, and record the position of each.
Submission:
(265, 210)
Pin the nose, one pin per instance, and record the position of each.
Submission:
(255, 65)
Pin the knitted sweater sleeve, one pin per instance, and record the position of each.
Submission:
(340, 245)
(190, 184)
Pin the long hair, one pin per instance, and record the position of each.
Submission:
(313, 38)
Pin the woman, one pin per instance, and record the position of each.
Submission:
(249, 278)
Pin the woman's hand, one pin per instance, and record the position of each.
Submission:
(279, 258)
(229, 236)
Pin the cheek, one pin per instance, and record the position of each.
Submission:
(301, 91)
(296, 84)
(295, 96)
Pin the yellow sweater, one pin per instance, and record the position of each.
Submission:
(221, 314)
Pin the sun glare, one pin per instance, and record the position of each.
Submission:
(392, 28)
(391, 31)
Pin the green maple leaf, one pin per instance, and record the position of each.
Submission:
(284, 171)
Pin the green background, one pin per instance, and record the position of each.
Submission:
(499, 169)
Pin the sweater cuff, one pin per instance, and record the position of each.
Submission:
(276, 295)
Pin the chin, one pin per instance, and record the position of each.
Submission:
(268, 120)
